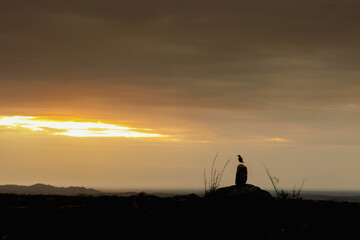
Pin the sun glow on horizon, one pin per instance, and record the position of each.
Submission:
(74, 129)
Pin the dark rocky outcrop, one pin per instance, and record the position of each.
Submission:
(245, 192)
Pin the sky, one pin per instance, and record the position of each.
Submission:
(144, 94)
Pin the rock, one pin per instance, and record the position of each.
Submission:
(241, 175)
(186, 197)
(144, 200)
(245, 192)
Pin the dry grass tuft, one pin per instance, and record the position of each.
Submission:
(213, 183)
(280, 193)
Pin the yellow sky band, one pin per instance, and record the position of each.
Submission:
(73, 129)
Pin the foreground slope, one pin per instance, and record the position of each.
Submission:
(183, 217)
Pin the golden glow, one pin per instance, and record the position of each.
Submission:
(73, 129)
(279, 140)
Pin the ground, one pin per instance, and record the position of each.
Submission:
(184, 216)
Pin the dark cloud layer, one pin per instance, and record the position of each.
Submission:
(181, 53)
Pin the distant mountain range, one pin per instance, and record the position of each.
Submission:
(44, 189)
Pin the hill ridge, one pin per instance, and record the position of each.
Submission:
(46, 189)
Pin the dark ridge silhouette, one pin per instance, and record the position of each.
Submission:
(247, 212)
(44, 189)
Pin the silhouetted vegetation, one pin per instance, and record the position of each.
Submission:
(280, 193)
(213, 183)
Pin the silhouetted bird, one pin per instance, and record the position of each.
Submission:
(240, 159)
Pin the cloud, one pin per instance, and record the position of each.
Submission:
(177, 38)
(236, 55)
(266, 140)
(73, 129)
(277, 140)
